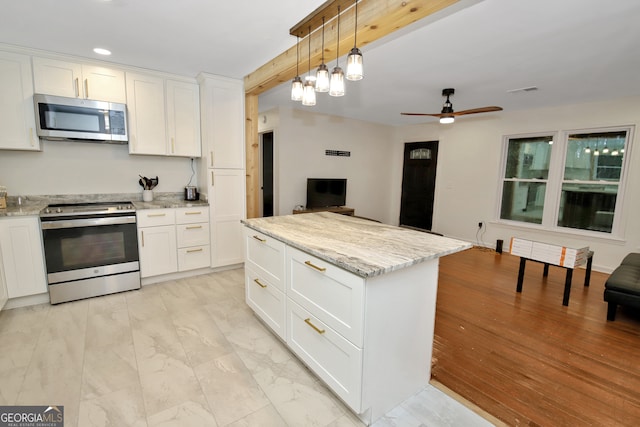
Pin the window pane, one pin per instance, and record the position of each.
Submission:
(595, 156)
(528, 158)
(523, 201)
(588, 207)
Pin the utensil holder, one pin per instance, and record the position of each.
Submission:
(147, 195)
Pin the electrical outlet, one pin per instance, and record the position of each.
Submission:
(480, 224)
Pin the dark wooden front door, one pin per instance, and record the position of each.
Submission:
(418, 184)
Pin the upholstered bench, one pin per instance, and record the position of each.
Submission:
(623, 286)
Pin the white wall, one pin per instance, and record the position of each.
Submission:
(88, 168)
(469, 170)
(301, 139)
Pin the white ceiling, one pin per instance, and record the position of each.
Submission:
(572, 50)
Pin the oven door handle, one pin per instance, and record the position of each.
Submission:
(87, 222)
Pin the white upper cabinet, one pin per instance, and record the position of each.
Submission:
(74, 80)
(17, 117)
(222, 110)
(164, 116)
(183, 118)
(146, 111)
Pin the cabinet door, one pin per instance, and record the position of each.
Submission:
(54, 77)
(104, 84)
(158, 250)
(227, 189)
(22, 256)
(183, 118)
(146, 112)
(267, 301)
(17, 118)
(222, 109)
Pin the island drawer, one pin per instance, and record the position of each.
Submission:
(333, 295)
(334, 359)
(192, 215)
(266, 300)
(266, 256)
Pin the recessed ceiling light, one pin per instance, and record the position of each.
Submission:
(101, 51)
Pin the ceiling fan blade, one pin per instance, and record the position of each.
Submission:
(421, 114)
(477, 110)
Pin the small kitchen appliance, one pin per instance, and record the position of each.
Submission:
(191, 193)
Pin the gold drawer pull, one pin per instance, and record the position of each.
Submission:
(310, 264)
(193, 213)
(259, 239)
(194, 250)
(259, 284)
(158, 214)
(318, 330)
(193, 227)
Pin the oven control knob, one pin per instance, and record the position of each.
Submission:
(47, 211)
(59, 210)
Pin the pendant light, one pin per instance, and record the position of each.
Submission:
(336, 85)
(354, 60)
(309, 93)
(296, 85)
(322, 75)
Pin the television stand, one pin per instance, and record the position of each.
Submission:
(343, 210)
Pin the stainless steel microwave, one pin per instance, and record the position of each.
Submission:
(60, 118)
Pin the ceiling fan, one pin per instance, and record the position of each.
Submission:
(447, 115)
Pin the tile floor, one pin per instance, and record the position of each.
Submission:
(182, 353)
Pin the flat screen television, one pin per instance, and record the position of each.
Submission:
(326, 192)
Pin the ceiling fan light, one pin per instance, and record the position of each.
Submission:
(309, 94)
(296, 89)
(447, 119)
(354, 65)
(336, 85)
(322, 78)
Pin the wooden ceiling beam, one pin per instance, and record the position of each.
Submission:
(376, 19)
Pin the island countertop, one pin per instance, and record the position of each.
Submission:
(363, 247)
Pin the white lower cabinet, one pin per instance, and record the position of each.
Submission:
(369, 339)
(22, 256)
(192, 233)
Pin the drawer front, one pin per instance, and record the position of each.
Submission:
(327, 353)
(192, 215)
(196, 234)
(330, 293)
(155, 217)
(266, 301)
(266, 255)
(194, 257)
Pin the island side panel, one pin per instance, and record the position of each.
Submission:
(399, 328)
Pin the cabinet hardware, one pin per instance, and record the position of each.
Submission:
(77, 89)
(211, 159)
(259, 284)
(193, 227)
(158, 214)
(194, 250)
(173, 145)
(212, 178)
(259, 239)
(193, 213)
(142, 234)
(310, 264)
(86, 88)
(318, 330)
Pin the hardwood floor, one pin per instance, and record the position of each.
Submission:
(525, 358)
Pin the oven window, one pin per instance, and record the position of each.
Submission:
(108, 247)
(84, 247)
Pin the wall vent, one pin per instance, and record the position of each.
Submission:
(337, 153)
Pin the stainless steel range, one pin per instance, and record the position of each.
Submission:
(90, 249)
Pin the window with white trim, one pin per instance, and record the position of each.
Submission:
(573, 182)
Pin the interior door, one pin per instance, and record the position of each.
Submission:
(267, 174)
(418, 184)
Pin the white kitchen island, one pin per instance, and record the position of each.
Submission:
(353, 299)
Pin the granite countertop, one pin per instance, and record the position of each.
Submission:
(363, 247)
(32, 205)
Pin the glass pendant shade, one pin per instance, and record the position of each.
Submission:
(354, 65)
(296, 89)
(322, 78)
(336, 86)
(309, 95)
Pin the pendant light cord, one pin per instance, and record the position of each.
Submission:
(323, 39)
(338, 39)
(309, 51)
(297, 54)
(355, 28)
